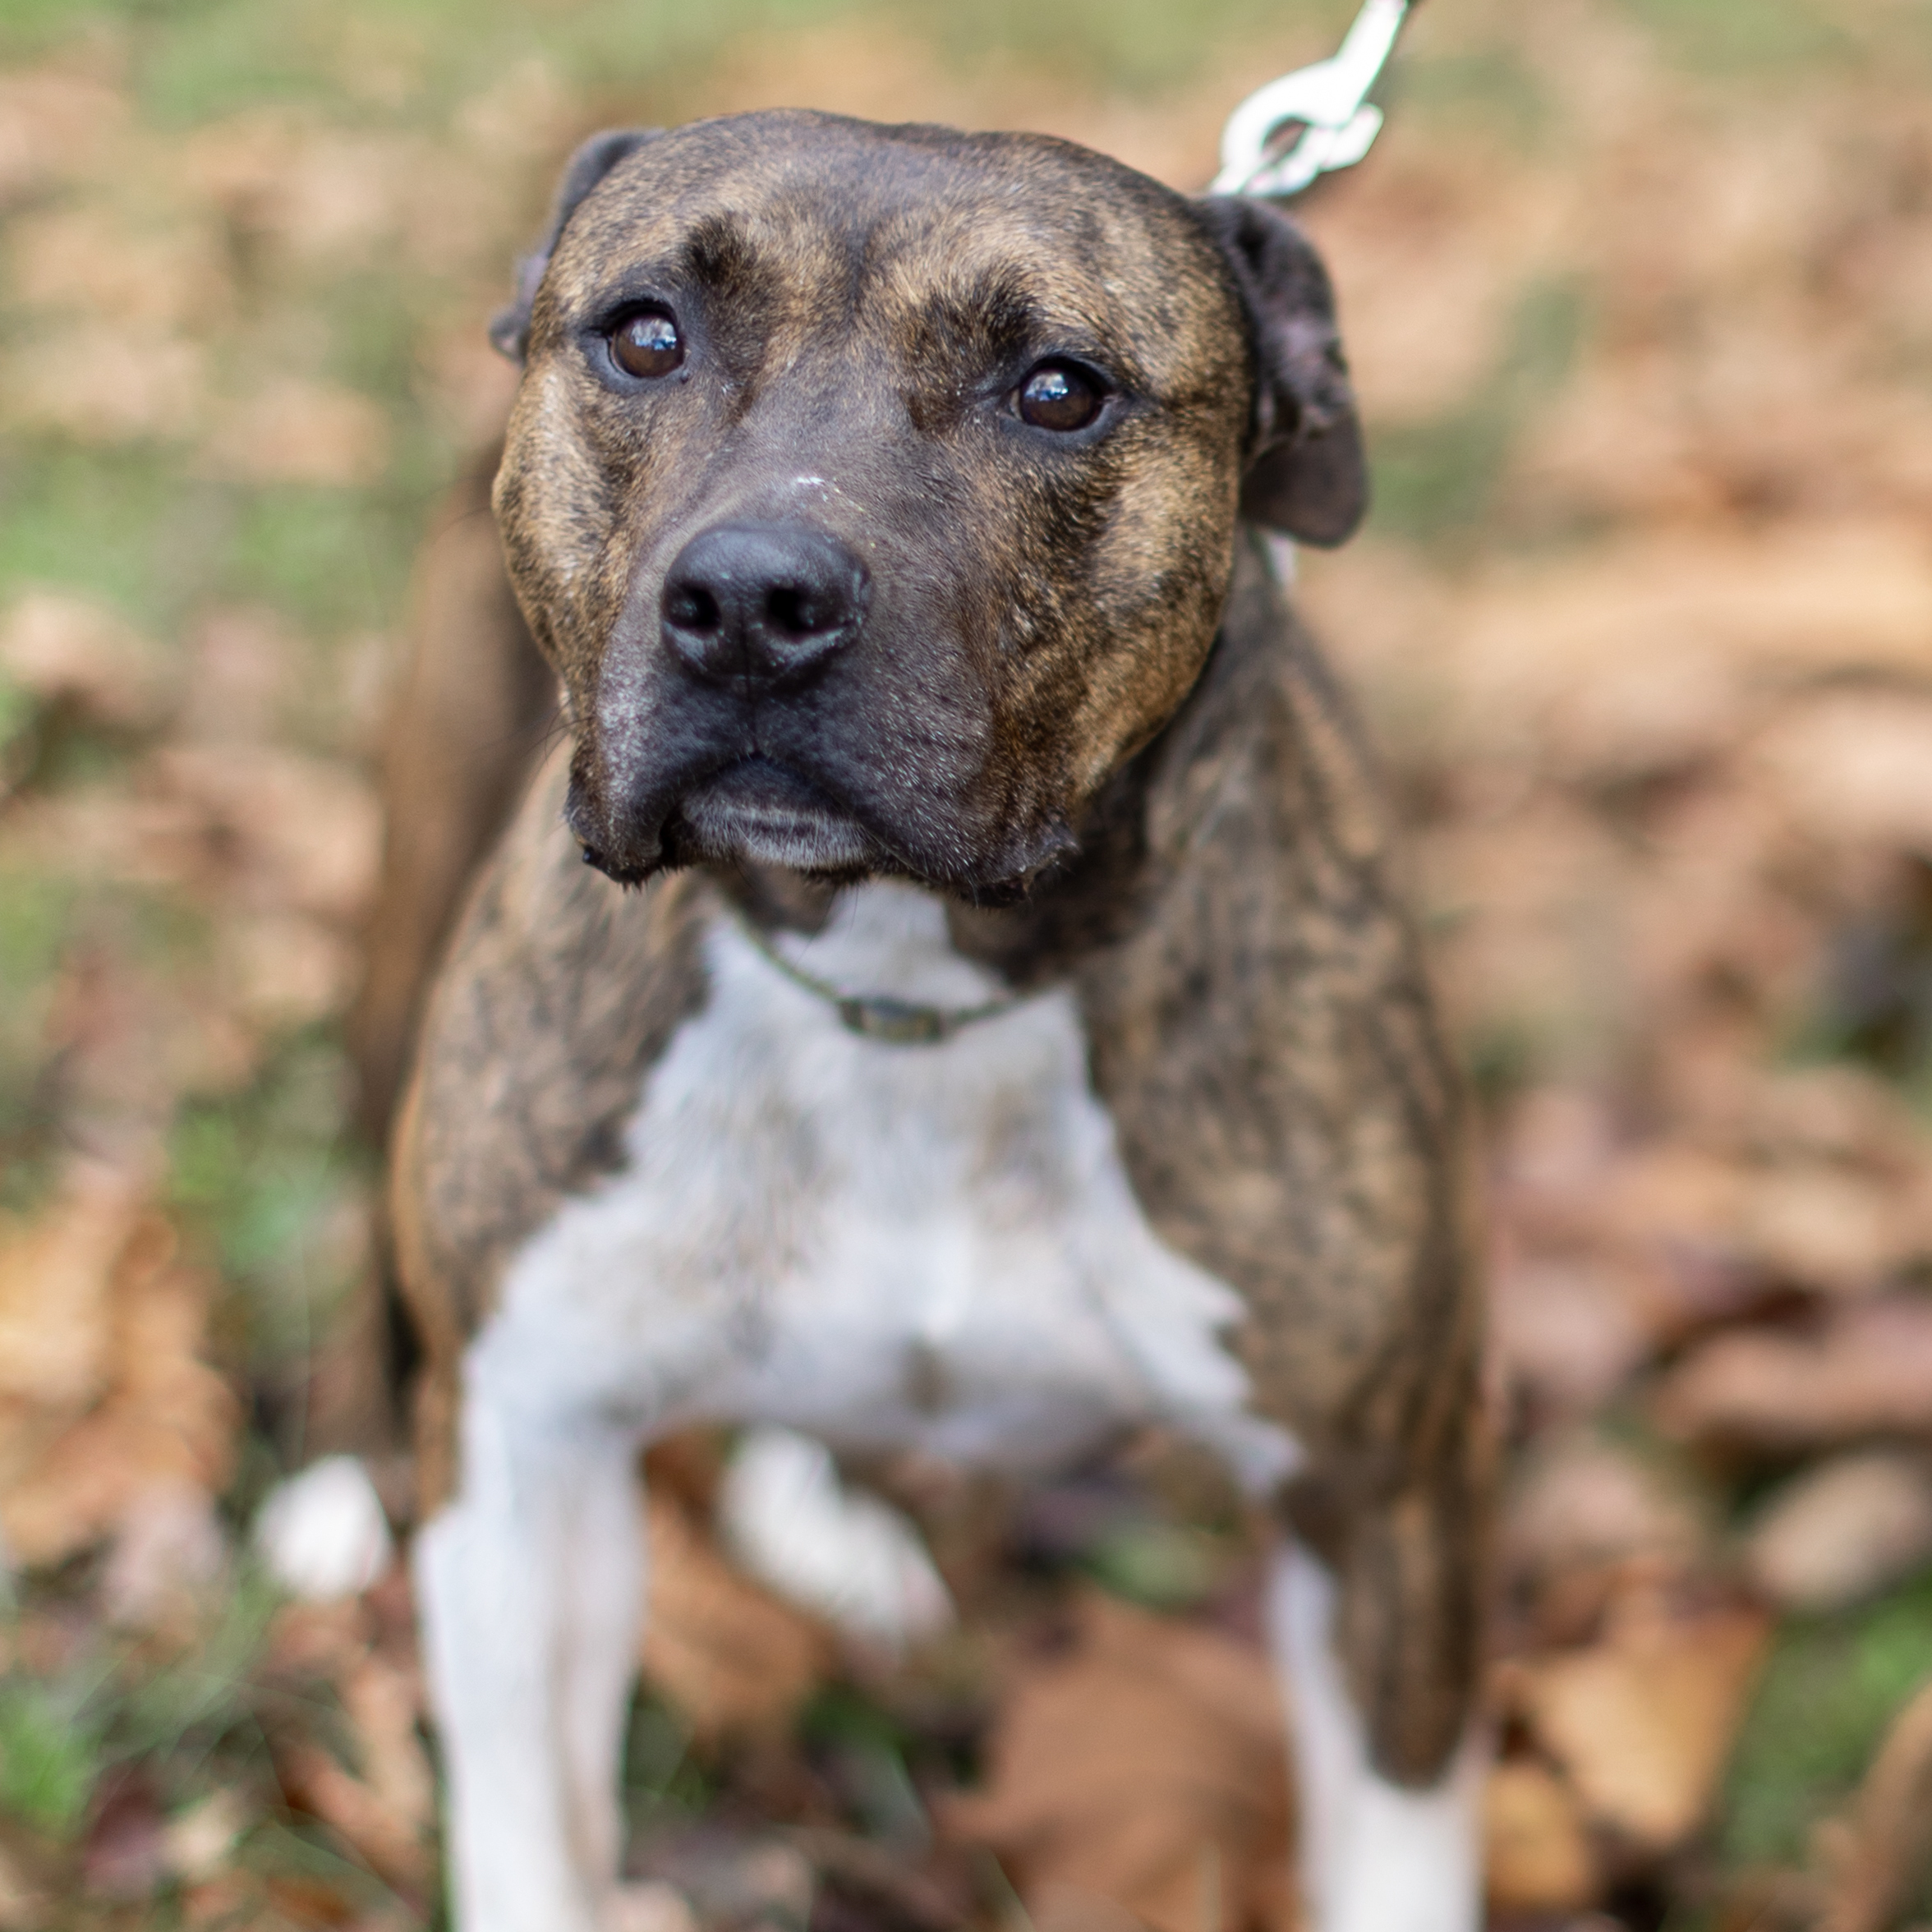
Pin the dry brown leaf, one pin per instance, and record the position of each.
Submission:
(1145, 1766)
(385, 1808)
(302, 432)
(59, 646)
(1640, 656)
(1580, 1502)
(319, 193)
(269, 829)
(55, 1280)
(53, 123)
(730, 1655)
(169, 1553)
(1568, 1330)
(241, 680)
(163, 1418)
(1642, 1723)
(1866, 1371)
(93, 261)
(99, 383)
(1877, 1853)
(1537, 1854)
(1854, 767)
(284, 971)
(1843, 1531)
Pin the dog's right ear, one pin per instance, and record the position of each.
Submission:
(1307, 475)
(509, 328)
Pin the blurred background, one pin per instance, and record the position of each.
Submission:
(1639, 297)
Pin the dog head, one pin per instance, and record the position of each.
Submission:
(874, 489)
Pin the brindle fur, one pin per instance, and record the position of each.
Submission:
(467, 717)
(1127, 776)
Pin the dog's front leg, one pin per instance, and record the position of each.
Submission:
(1385, 1846)
(529, 1583)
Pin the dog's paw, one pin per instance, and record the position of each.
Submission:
(851, 1558)
(648, 1906)
(323, 1535)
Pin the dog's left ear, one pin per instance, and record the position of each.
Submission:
(1306, 472)
(509, 328)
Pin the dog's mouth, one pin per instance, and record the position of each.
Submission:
(758, 810)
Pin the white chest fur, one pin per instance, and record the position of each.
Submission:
(883, 1246)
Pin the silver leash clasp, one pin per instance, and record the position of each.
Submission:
(1330, 103)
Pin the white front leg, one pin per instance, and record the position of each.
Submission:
(1374, 1857)
(530, 1585)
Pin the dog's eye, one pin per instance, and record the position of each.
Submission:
(646, 344)
(1056, 396)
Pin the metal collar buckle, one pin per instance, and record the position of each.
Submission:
(877, 1016)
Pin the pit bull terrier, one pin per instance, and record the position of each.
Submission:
(946, 991)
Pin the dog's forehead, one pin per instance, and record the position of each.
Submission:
(820, 207)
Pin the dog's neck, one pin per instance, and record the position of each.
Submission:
(900, 939)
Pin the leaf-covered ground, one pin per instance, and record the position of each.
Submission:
(1640, 298)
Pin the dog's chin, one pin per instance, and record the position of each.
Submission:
(769, 815)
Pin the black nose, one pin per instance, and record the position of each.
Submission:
(766, 602)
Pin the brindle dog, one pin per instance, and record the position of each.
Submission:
(984, 1023)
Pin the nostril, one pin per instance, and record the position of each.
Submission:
(691, 607)
(797, 612)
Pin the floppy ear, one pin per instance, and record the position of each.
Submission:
(1306, 473)
(509, 328)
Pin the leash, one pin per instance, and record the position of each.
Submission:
(1328, 102)
(876, 1016)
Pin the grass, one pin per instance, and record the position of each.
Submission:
(259, 1176)
(1831, 1685)
(1437, 482)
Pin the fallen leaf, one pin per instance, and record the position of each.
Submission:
(169, 1551)
(99, 382)
(1645, 653)
(55, 123)
(313, 1782)
(90, 262)
(23, 1906)
(58, 645)
(56, 1276)
(317, 193)
(285, 971)
(384, 1807)
(1537, 1854)
(1855, 767)
(125, 1856)
(1144, 1765)
(162, 1417)
(1580, 1501)
(1866, 1370)
(1641, 1724)
(733, 1657)
(263, 828)
(197, 1841)
(1843, 1531)
(1874, 1855)
(1567, 1330)
(302, 432)
(245, 659)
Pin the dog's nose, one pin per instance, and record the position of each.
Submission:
(768, 602)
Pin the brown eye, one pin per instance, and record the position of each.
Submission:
(1055, 396)
(647, 345)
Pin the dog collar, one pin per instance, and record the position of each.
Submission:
(877, 1016)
